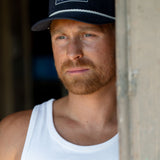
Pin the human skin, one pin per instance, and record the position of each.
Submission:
(84, 117)
(82, 52)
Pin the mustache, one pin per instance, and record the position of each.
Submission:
(78, 63)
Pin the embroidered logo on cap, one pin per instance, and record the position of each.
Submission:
(65, 1)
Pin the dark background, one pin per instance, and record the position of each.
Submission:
(27, 72)
(46, 84)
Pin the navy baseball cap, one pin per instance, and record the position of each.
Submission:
(89, 11)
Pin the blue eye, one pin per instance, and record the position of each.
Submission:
(61, 37)
(88, 35)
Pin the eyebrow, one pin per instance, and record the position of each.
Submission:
(91, 28)
(55, 30)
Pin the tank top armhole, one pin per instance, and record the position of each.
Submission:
(29, 133)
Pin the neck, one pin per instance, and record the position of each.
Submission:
(99, 106)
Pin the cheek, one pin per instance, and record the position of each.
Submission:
(58, 62)
(104, 56)
(107, 51)
(101, 52)
(58, 58)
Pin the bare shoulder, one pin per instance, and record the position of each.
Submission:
(15, 122)
(13, 130)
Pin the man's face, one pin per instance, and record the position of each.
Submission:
(84, 55)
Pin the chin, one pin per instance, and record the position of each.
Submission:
(83, 88)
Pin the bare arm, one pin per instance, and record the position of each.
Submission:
(13, 130)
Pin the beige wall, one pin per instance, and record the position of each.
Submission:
(138, 68)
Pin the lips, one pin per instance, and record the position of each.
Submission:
(77, 70)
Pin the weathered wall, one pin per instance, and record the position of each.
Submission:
(138, 69)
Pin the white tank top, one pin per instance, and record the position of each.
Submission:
(44, 143)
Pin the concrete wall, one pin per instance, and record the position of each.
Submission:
(138, 69)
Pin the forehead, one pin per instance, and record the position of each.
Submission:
(66, 24)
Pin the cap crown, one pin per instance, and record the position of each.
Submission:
(102, 6)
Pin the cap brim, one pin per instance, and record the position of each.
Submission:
(78, 16)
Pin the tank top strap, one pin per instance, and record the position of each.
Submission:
(41, 114)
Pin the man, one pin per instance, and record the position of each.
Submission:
(82, 125)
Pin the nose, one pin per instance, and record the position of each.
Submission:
(74, 49)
